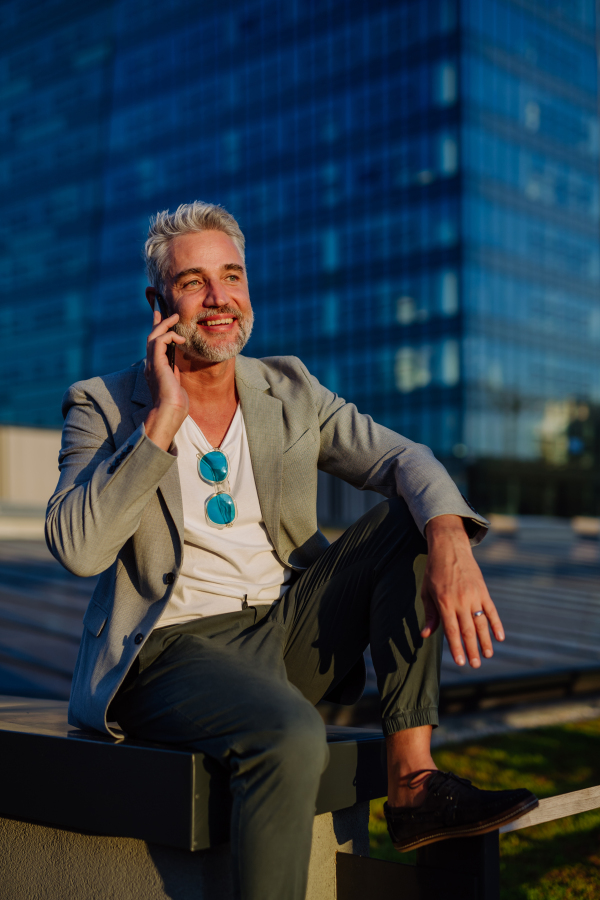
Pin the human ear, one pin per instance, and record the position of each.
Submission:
(151, 294)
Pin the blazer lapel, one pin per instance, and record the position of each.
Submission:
(264, 427)
(169, 486)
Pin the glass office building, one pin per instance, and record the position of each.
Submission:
(417, 181)
(530, 255)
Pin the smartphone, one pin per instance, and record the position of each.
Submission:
(159, 304)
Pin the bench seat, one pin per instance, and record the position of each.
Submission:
(89, 782)
(86, 816)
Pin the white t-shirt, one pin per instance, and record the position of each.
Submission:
(222, 566)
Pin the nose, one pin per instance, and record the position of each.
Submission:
(216, 294)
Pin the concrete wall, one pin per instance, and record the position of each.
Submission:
(28, 466)
(54, 864)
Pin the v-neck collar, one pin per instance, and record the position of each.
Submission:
(232, 426)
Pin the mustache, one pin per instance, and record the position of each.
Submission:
(196, 343)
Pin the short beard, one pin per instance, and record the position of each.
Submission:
(197, 346)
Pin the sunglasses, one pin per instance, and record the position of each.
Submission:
(220, 508)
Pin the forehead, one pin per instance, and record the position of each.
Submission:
(206, 249)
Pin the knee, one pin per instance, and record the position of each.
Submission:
(399, 513)
(392, 514)
(300, 741)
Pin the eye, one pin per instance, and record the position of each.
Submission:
(191, 285)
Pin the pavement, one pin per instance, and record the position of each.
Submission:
(41, 613)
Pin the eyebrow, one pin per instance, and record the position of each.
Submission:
(199, 270)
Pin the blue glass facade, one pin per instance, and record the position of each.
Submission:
(417, 181)
(531, 254)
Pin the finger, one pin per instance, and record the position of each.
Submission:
(452, 632)
(493, 618)
(483, 634)
(157, 346)
(161, 326)
(469, 636)
(432, 617)
(172, 337)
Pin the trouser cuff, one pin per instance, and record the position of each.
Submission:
(411, 718)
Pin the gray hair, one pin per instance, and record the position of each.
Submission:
(187, 218)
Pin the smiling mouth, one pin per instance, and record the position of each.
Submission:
(210, 323)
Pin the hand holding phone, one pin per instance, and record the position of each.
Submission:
(160, 306)
(170, 399)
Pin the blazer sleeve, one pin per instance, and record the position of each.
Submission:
(102, 489)
(370, 457)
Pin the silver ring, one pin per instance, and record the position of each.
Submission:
(478, 613)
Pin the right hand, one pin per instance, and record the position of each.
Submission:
(171, 402)
(453, 589)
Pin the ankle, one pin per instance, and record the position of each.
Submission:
(409, 760)
(410, 789)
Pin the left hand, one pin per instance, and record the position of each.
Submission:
(453, 589)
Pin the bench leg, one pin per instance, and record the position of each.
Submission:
(479, 856)
(459, 869)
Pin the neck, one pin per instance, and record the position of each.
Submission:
(207, 384)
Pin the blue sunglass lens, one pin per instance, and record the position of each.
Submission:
(213, 467)
(220, 509)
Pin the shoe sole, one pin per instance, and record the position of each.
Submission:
(469, 830)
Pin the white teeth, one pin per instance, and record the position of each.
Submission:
(218, 322)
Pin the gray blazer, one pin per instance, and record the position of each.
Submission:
(117, 508)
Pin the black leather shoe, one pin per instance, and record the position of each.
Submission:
(453, 808)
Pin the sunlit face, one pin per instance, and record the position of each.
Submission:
(207, 286)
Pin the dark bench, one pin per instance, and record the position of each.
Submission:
(86, 816)
(73, 779)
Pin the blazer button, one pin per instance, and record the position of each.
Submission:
(138, 638)
(169, 578)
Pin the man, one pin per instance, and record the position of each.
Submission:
(222, 615)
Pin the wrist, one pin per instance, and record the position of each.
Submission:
(445, 527)
(162, 424)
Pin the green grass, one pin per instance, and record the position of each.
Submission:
(557, 860)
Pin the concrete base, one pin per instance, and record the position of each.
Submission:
(41, 863)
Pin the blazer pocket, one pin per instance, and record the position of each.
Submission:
(95, 619)
(304, 440)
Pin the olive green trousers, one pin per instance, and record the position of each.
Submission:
(241, 687)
